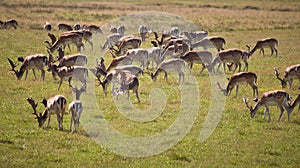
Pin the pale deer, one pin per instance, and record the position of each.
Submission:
(271, 43)
(197, 56)
(64, 27)
(210, 42)
(113, 29)
(291, 72)
(75, 108)
(56, 104)
(111, 40)
(170, 65)
(234, 56)
(10, 23)
(239, 79)
(121, 30)
(125, 79)
(66, 39)
(143, 30)
(78, 72)
(38, 61)
(140, 55)
(271, 98)
(195, 36)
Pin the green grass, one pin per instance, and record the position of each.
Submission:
(238, 140)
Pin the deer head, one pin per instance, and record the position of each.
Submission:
(13, 66)
(249, 107)
(40, 117)
(77, 91)
(222, 89)
(283, 82)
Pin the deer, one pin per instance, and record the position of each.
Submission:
(143, 32)
(165, 38)
(64, 27)
(154, 54)
(48, 26)
(38, 61)
(84, 34)
(140, 55)
(234, 56)
(197, 56)
(167, 66)
(125, 44)
(195, 36)
(278, 98)
(210, 42)
(291, 72)
(69, 60)
(10, 23)
(78, 72)
(92, 28)
(177, 46)
(238, 79)
(75, 108)
(271, 43)
(245, 58)
(113, 29)
(68, 39)
(121, 30)
(111, 40)
(125, 79)
(56, 104)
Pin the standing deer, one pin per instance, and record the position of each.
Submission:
(10, 23)
(56, 104)
(78, 72)
(210, 42)
(271, 98)
(238, 79)
(75, 108)
(66, 39)
(170, 65)
(291, 72)
(38, 61)
(271, 43)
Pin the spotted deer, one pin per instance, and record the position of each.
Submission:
(291, 72)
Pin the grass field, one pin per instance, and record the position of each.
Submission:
(237, 141)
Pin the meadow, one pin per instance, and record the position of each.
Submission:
(237, 141)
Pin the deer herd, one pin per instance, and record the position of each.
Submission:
(171, 51)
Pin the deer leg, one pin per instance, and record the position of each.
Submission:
(281, 113)
(43, 74)
(71, 122)
(191, 66)
(236, 65)
(263, 51)
(290, 81)
(91, 43)
(33, 71)
(255, 90)
(26, 74)
(60, 82)
(58, 121)
(246, 67)
(224, 67)
(203, 67)
(237, 90)
(276, 52)
(240, 65)
(69, 81)
(62, 121)
(166, 76)
(49, 117)
(137, 95)
(268, 111)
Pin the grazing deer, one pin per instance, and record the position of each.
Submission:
(234, 56)
(125, 79)
(92, 28)
(38, 61)
(154, 54)
(84, 34)
(245, 58)
(64, 27)
(125, 44)
(210, 42)
(78, 72)
(140, 55)
(68, 39)
(238, 79)
(291, 72)
(196, 56)
(271, 98)
(69, 60)
(195, 36)
(271, 43)
(167, 66)
(177, 46)
(75, 108)
(10, 23)
(56, 104)
(111, 40)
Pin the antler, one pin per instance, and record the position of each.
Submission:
(246, 103)
(33, 105)
(248, 47)
(277, 74)
(13, 66)
(223, 90)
